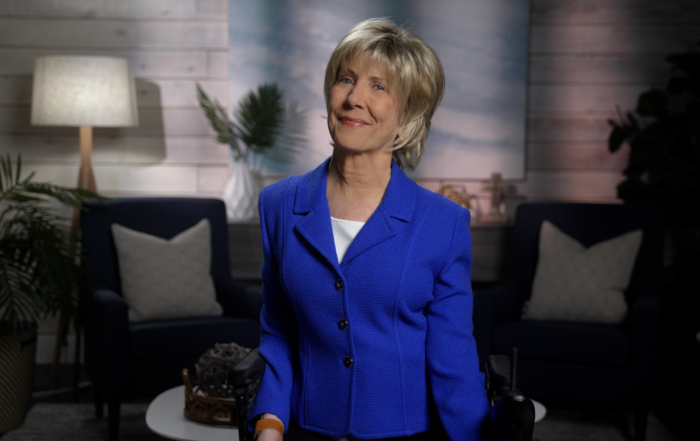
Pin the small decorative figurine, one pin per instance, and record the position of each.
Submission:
(497, 188)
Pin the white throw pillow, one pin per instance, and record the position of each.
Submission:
(578, 284)
(164, 279)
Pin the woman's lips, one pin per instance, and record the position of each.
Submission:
(352, 122)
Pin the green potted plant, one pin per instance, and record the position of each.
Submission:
(663, 134)
(39, 276)
(264, 127)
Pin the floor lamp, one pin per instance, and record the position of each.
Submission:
(84, 92)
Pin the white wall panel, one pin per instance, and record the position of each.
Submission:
(91, 9)
(151, 63)
(620, 12)
(113, 33)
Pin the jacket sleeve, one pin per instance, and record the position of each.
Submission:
(278, 337)
(453, 365)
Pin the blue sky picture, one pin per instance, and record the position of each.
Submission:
(479, 128)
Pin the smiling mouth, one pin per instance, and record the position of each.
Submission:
(352, 122)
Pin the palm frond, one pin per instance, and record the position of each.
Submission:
(215, 113)
(260, 117)
(291, 140)
(263, 127)
(39, 273)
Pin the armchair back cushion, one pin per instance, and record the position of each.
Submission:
(578, 284)
(160, 217)
(165, 279)
(589, 224)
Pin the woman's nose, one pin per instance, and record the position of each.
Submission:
(354, 98)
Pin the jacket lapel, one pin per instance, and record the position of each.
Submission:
(398, 202)
(311, 200)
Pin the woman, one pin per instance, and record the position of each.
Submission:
(366, 324)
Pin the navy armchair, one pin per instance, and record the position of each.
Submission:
(141, 359)
(579, 361)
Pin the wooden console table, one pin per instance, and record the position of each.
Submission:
(490, 248)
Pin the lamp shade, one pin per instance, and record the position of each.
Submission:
(83, 91)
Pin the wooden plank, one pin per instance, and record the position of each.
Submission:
(113, 34)
(582, 98)
(118, 150)
(212, 9)
(152, 121)
(619, 11)
(156, 179)
(568, 185)
(567, 128)
(613, 39)
(14, 91)
(218, 64)
(100, 9)
(150, 63)
(212, 179)
(587, 68)
(150, 93)
(164, 93)
(574, 156)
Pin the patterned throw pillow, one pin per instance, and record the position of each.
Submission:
(165, 279)
(578, 284)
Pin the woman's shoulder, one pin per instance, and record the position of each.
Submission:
(283, 189)
(438, 208)
(278, 189)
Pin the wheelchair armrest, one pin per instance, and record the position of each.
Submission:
(497, 376)
(245, 373)
(512, 413)
(247, 370)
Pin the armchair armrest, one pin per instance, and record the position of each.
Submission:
(502, 304)
(643, 322)
(239, 299)
(106, 339)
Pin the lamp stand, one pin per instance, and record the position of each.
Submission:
(86, 178)
(86, 181)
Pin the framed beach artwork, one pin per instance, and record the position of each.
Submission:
(479, 128)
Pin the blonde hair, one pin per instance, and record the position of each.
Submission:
(413, 66)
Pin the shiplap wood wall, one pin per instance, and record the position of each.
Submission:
(586, 57)
(172, 45)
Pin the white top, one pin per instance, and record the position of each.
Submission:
(344, 232)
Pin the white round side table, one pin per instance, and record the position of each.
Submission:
(165, 417)
(540, 410)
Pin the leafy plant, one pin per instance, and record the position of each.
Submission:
(664, 138)
(263, 125)
(38, 269)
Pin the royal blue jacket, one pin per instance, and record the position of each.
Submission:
(369, 346)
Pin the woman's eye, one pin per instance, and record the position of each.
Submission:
(345, 81)
(379, 87)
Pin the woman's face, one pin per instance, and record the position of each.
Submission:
(364, 108)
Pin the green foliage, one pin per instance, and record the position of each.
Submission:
(38, 269)
(264, 125)
(663, 134)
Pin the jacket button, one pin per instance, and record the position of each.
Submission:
(348, 361)
(339, 285)
(343, 324)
